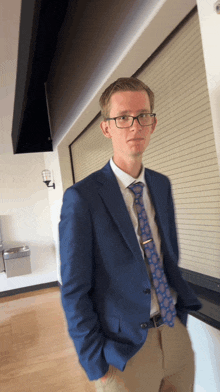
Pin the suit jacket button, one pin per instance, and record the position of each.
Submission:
(147, 291)
(144, 325)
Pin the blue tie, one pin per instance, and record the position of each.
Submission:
(164, 297)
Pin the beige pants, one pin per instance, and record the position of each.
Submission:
(164, 363)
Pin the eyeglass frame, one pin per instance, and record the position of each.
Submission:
(134, 118)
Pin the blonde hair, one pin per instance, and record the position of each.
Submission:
(123, 84)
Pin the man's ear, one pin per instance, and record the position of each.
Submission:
(105, 129)
(154, 125)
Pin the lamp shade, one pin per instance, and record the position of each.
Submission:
(46, 174)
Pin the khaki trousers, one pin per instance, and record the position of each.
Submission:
(164, 363)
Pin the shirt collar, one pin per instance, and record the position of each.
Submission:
(124, 179)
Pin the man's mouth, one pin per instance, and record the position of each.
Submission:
(136, 139)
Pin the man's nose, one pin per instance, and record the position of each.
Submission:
(136, 124)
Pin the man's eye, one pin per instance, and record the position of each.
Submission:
(144, 115)
(123, 118)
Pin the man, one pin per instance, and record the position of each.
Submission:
(125, 300)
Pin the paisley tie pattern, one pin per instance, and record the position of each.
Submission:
(164, 296)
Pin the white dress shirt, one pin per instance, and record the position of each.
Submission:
(124, 180)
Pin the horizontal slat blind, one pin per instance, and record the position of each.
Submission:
(182, 147)
(90, 151)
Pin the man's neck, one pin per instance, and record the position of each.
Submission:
(131, 167)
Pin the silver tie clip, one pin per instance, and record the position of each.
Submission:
(146, 242)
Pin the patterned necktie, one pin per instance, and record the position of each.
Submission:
(164, 297)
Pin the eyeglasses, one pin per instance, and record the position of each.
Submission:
(144, 119)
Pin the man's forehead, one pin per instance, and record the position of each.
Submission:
(127, 100)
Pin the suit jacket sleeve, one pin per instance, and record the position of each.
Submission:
(77, 272)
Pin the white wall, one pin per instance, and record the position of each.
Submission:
(206, 344)
(25, 217)
(210, 31)
(55, 200)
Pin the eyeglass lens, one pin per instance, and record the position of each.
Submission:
(126, 121)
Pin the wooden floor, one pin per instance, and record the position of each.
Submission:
(36, 353)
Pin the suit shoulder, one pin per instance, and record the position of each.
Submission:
(84, 185)
(90, 183)
(157, 176)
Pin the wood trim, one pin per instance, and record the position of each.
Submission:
(22, 290)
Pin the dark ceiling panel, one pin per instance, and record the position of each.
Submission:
(40, 24)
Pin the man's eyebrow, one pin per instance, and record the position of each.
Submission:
(128, 112)
(123, 112)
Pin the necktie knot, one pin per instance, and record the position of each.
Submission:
(137, 189)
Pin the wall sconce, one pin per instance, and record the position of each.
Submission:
(46, 174)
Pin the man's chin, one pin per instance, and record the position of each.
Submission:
(136, 154)
(137, 150)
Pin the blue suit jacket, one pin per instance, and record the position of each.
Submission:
(105, 284)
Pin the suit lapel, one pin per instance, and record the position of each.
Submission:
(111, 195)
